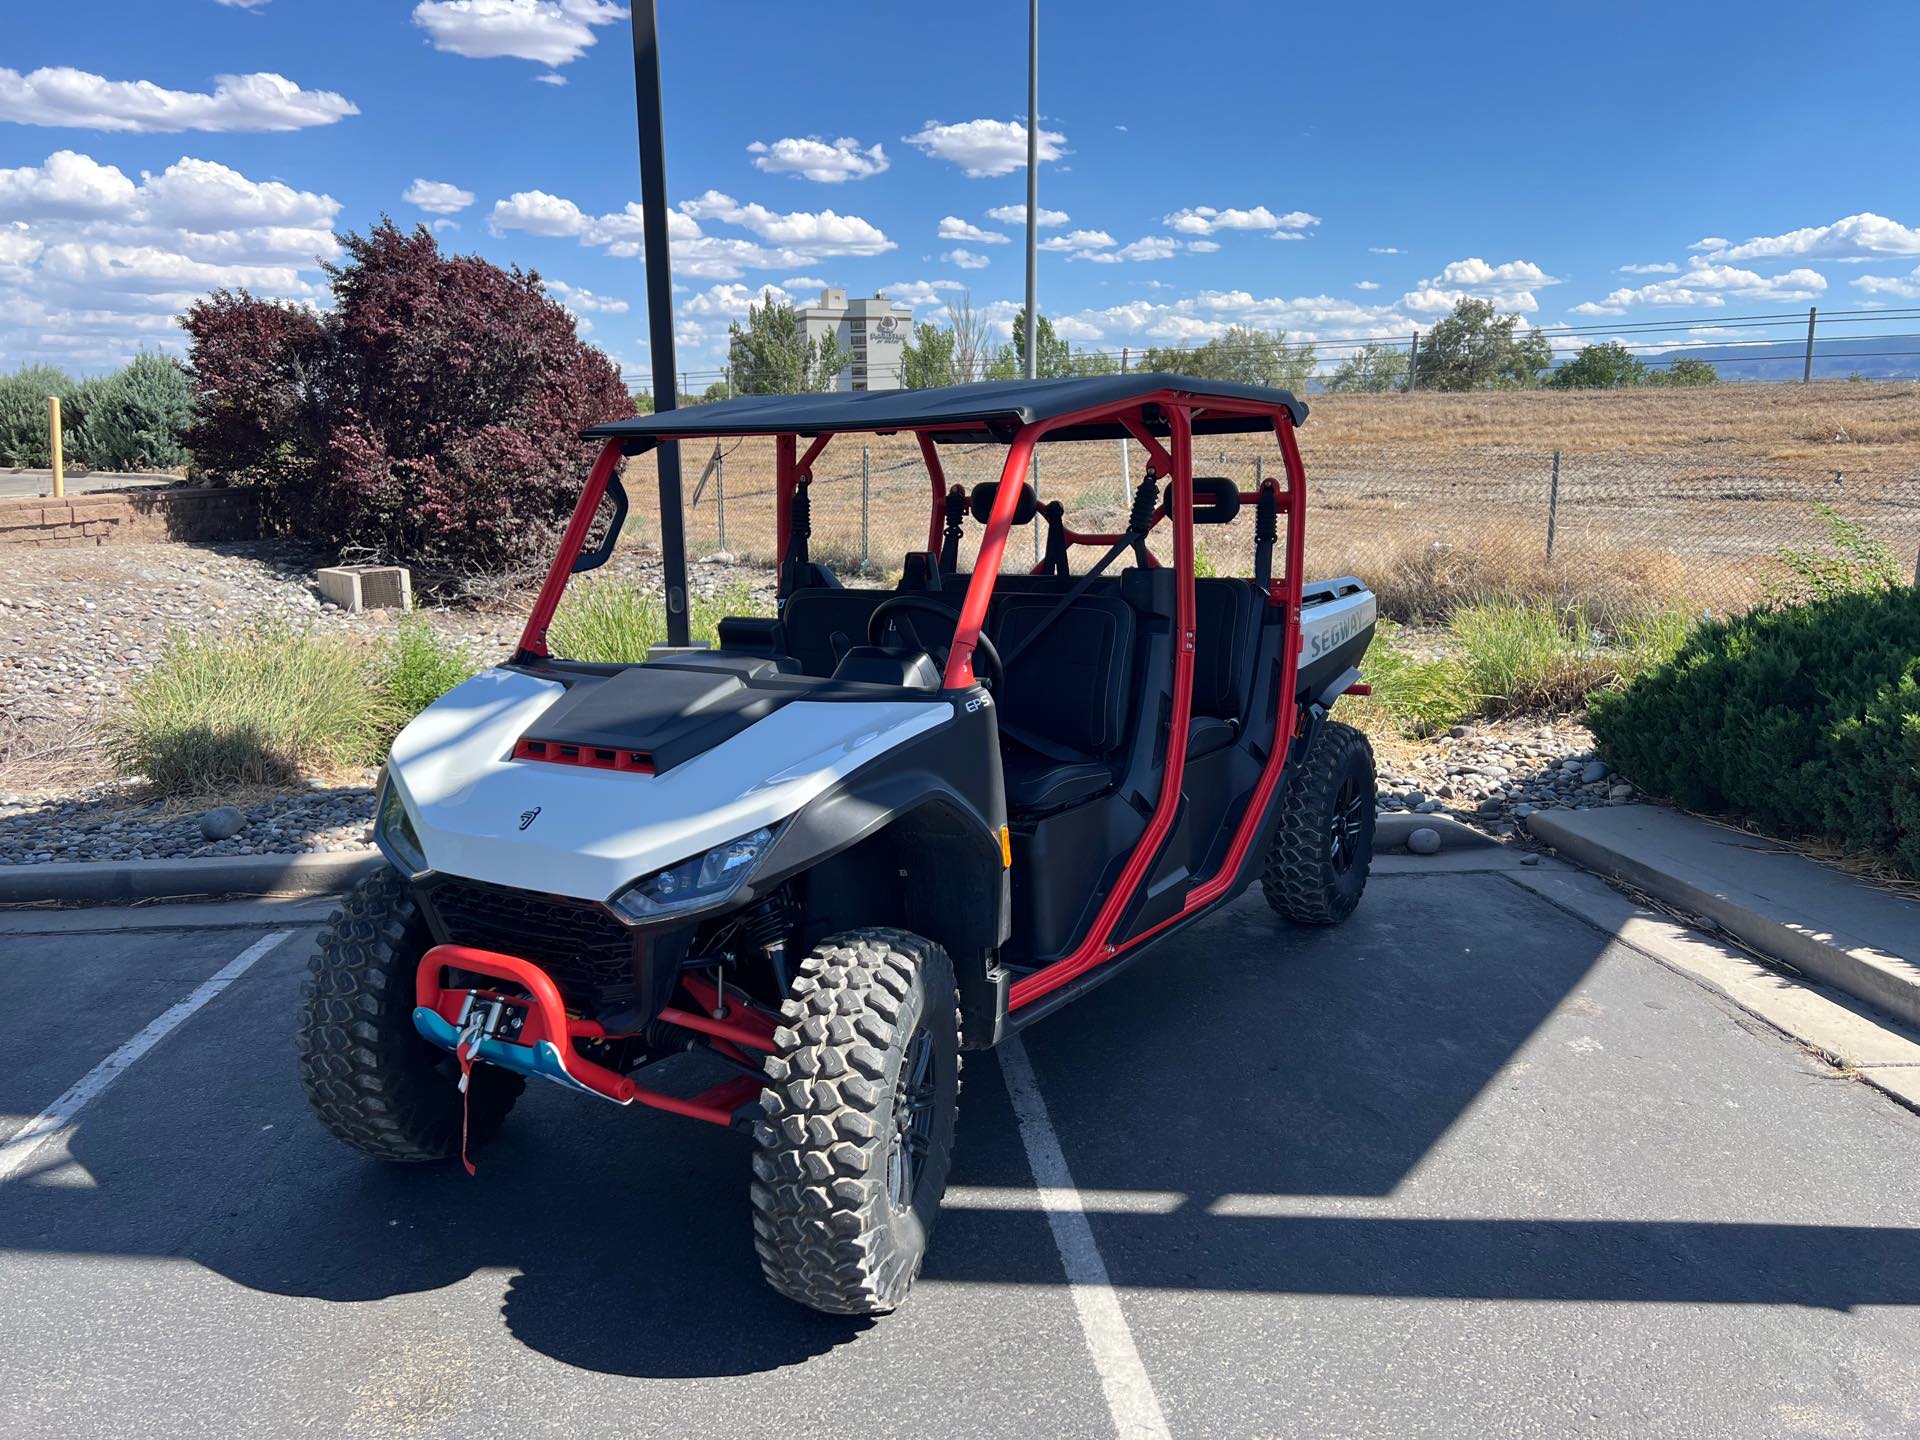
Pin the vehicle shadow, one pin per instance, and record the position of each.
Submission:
(1277, 1084)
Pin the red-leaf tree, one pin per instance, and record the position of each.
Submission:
(431, 418)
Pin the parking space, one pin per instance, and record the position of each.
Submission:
(1462, 1166)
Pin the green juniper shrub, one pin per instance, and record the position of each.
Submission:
(1805, 718)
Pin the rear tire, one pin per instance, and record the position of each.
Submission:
(369, 1076)
(862, 1093)
(1317, 863)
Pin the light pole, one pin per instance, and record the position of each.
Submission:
(666, 394)
(1033, 181)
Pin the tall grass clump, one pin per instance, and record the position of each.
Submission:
(1412, 696)
(420, 666)
(1521, 658)
(616, 621)
(260, 707)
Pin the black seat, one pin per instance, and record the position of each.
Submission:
(1065, 703)
(1226, 617)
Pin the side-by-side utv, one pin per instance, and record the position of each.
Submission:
(852, 840)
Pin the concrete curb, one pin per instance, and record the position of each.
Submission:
(110, 882)
(1814, 931)
(1390, 832)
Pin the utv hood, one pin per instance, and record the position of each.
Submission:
(587, 832)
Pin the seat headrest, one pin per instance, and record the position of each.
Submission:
(1216, 500)
(920, 571)
(1023, 512)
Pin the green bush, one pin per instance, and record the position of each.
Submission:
(1851, 559)
(264, 706)
(420, 666)
(1805, 718)
(616, 621)
(134, 418)
(23, 415)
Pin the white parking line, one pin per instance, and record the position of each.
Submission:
(57, 1118)
(1130, 1398)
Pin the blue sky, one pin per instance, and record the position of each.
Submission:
(1336, 171)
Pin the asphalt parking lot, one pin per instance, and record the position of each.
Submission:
(1462, 1167)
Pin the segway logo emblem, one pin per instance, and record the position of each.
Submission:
(527, 817)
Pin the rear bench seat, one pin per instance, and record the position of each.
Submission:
(1067, 699)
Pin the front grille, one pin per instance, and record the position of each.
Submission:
(584, 948)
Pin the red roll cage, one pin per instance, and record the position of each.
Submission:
(1171, 410)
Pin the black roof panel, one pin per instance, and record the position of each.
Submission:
(987, 411)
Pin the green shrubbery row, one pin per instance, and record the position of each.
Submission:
(130, 420)
(1804, 717)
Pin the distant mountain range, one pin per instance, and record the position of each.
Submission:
(1874, 357)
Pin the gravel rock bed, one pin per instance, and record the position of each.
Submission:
(77, 625)
(1493, 776)
(111, 822)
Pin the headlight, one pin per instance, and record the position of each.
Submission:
(695, 884)
(393, 832)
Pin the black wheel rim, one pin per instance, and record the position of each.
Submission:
(912, 1120)
(1349, 817)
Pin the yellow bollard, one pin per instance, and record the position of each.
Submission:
(59, 461)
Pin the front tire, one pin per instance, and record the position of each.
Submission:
(369, 1076)
(1317, 865)
(861, 1098)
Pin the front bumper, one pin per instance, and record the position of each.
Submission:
(526, 1029)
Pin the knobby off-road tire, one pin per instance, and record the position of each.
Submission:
(1317, 863)
(369, 1076)
(862, 1092)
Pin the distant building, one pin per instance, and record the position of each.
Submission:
(872, 333)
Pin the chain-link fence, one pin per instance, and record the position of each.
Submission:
(1426, 528)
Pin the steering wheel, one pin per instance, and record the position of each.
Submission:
(993, 673)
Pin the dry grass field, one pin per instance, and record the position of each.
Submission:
(1670, 496)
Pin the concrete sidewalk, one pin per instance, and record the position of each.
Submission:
(24, 484)
(1859, 939)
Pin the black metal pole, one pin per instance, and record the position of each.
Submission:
(653, 202)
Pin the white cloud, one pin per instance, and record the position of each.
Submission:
(551, 32)
(1209, 313)
(1148, 247)
(1076, 240)
(1855, 237)
(578, 300)
(69, 184)
(828, 161)
(731, 302)
(796, 239)
(965, 259)
(921, 293)
(79, 99)
(804, 282)
(206, 195)
(1206, 247)
(815, 233)
(18, 250)
(1661, 267)
(1904, 287)
(1072, 327)
(952, 227)
(150, 268)
(1510, 286)
(1366, 285)
(550, 77)
(1205, 220)
(1385, 250)
(243, 4)
(1017, 215)
(983, 148)
(441, 225)
(437, 197)
(1706, 285)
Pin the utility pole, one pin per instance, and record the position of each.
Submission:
(659, 262)
(1033, 183)
(1806, 375)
